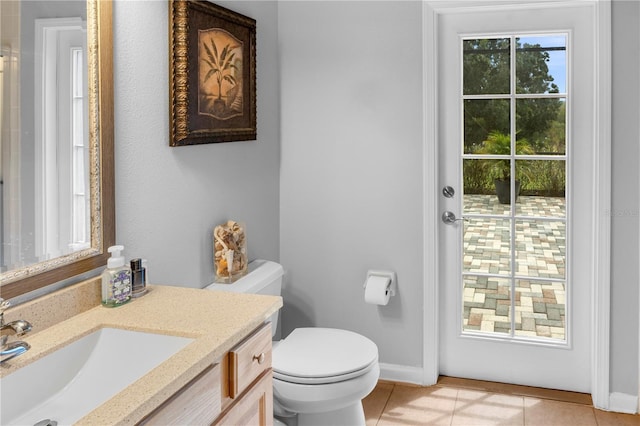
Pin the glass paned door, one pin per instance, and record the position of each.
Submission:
(514, 167)
(515, 106)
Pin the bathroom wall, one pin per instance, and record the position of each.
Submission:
(625, 215)
(351, 173)
(169, 199)
(351, 169)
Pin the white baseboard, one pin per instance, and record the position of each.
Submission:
(401, 373)
(623, 403)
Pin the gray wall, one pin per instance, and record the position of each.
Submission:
(168, 200)
(351, 170)
(625, 154)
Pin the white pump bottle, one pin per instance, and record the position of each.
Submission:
(116, 279)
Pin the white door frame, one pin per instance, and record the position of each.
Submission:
(601, 251)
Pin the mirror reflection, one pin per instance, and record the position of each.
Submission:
(44, 170)
(56, 141)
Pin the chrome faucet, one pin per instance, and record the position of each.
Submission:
(17, 327)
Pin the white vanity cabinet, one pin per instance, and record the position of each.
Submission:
(236, 391)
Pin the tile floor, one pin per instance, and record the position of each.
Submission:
(469, 402)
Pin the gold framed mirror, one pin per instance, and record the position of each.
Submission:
(17, 280)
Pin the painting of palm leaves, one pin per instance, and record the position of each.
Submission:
(212, 70)
(220, 74)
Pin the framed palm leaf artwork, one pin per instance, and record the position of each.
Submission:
(212, 74)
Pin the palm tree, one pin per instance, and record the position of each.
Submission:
(498, 143)
(221, 64)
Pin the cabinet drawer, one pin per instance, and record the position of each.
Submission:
(197, 403)
(249, 359)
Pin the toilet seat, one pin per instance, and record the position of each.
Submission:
(323, 355)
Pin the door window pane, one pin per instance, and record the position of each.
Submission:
(540, 309)
(483, 118)
(487, 246)
(540, 125)
(480, 195)
(541, 64)
(487, 304)
(540, 247)
(542, 189)
(486, 65)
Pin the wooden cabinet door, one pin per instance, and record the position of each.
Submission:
(255, 408)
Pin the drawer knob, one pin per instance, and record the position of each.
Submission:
(260, 358)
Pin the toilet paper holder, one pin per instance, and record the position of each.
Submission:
(391, 286)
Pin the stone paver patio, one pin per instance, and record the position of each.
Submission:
(540, 248)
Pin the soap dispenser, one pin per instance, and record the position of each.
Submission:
(116, 279)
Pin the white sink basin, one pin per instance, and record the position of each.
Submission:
(69, 383)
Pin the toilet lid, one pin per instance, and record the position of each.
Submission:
(322, 353)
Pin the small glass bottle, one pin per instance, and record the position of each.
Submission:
(116, 280)
(138, 278)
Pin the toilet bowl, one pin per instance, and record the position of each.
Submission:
(320, 375)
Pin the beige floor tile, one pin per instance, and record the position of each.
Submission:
(470, 402)
(409, 405)
(544, 412)
(375, 402)
(508, 389)
(486, 408)
(605, 418)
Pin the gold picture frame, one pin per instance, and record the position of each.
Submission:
(212, 74)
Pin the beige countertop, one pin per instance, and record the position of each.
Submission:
(216, 321)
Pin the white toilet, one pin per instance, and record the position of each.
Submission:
(320, 375)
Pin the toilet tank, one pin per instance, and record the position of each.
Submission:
(263, 277)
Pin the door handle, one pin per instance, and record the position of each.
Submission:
(450, 217)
